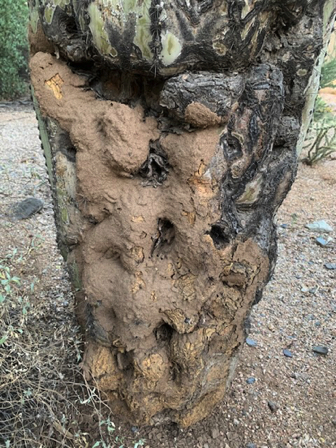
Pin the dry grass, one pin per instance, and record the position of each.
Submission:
(44, 400)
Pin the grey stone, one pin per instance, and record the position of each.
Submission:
(320, 350)
(321, 241)
(251, 445)
(250, 380)
(214, 433)
(273, 406)
(26, 208)
(251, 342)
(320, 226)
(287, 353)
(330, 266)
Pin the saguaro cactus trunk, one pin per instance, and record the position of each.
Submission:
(170, 130)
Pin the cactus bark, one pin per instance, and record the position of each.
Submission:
(171, 131)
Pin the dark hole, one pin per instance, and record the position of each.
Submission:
(156, 167)
(71, 27)
(175, 372)
(65, 145)
(163, 333)
(165, 234)
(231, 147)
(92, 220)
(70, 153)
(124, 360)
(218, 236)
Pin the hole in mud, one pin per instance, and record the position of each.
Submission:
(124, 360)
(92, 220)
(163, 333)
(218, 236)
(175, 372)
(111, 254)
(64, 143)
(231, 147)
(164, 236)
(156, 167)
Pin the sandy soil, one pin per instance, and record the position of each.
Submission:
(275, 401)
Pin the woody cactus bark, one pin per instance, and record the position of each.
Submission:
(170, 130)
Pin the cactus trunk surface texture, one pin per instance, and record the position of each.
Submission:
(171, 132)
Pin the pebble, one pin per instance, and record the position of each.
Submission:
(251, 445)
(320, 226)
(273, 406)
(321, 241)
(251, 342)
(250, 380)
(320, 350)
(214, 433)
(330, 266)
(27, 208)
(287, 353)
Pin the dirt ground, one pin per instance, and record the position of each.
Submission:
(275, 401)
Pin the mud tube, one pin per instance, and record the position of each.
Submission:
(170, 132)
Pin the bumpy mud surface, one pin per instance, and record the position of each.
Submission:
(165, 192)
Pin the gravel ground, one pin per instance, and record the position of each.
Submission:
(276, 401)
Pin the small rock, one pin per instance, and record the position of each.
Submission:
(320, 350)
(205, 445)
(330, 266)
(251, 342)
(287, 353)
(251, 445)
(320, 226)
(236, 422)
(26, 208)
(250, 380)
(214, 433)
(321, 241)
(284, 226)
(304, 376)
(135, 429)
(273, 406)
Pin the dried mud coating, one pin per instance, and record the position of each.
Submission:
(170, 133)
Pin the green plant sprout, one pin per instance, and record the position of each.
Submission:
(7, 280)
